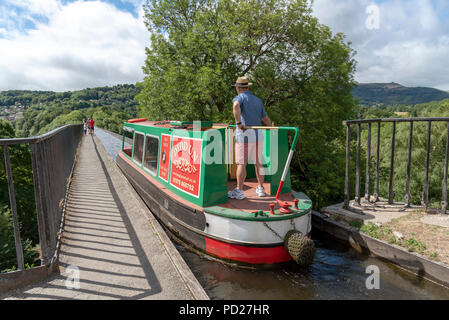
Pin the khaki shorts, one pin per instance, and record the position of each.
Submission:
(244, 151)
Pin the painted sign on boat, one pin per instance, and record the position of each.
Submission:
(186, 164)
(164, 161)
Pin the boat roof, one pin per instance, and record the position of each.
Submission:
(174, 124)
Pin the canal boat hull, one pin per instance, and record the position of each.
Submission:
(219, 231)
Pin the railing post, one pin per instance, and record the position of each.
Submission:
(357, 172)
(348, 158)
(409, 162)
(49, 198)
(425, 197)
(446, 159)
(368, 164)
(390, 188)
(376, 178)
(408, 185)
(36, 162)
(15, 219)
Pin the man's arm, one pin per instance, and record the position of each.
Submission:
(267, 121)
(237, 114)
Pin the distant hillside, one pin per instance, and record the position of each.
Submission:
(394, 93)
(122, 94)
(42, 111)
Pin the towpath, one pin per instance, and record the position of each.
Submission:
(112, 242)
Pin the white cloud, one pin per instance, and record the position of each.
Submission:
(92, 43)
(44, 7)
(83, 44)
(410, 47)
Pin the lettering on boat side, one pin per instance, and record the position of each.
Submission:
(228, 309)
(186, 164)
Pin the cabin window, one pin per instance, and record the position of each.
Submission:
(151, 153)
(127, 136)
(138, 147)
(128, 133)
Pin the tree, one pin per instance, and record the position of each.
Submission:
(302, 72)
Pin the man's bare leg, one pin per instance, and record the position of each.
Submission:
(241, 176)
(258, 167)
(259, 173)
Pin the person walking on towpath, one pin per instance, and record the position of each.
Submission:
(85, 126)
(248, 111)
(91, 126)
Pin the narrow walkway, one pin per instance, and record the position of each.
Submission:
(108, 237)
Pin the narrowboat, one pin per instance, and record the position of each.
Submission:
(184, 170)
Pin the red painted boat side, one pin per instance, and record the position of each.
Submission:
(254, 255)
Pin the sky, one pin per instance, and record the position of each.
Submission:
(62, 45)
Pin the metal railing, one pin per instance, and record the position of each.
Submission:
(407, 196)
(52, 160)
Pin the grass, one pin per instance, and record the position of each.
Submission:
(336, 217)
(414, 245)
(386, 233)
(356, 224)
(428, 240)
(372, 230)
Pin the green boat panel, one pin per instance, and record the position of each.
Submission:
(304, 207)
(213, 175)
(254, 216)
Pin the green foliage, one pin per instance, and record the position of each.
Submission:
(385, 233)
(380, 112)
(302, 72)
(414, 245)
(6, 130)
(379, 232)
(8, 260)
(372, 230)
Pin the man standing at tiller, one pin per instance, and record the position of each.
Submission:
(248, 111)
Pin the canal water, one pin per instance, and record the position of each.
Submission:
(338, 272)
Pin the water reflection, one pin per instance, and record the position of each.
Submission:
(337, 273)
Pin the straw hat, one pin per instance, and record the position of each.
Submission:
(242, 82)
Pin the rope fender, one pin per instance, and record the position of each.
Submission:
(299, 247)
